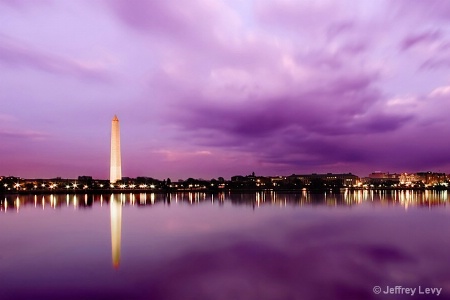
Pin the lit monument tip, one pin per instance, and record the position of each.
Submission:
(115, 173)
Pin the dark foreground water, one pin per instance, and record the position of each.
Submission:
(242, 246)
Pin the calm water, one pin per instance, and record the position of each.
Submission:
(226, 246)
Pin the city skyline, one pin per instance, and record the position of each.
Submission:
(223, 88)
(294, 182)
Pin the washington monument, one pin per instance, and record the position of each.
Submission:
(115, 173)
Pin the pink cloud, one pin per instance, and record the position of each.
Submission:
(424, 37)
(18, 54)
(33, 135)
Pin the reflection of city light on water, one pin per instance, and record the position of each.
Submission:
(53, 201)
(152, 198)
(17, 204)
(143, 198)
(116, 228)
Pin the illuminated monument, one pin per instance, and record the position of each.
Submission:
(115, 172)
(116, 229)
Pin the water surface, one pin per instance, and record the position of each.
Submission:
(224, 246)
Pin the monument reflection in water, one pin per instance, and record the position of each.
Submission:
(224, 246)
(116, 229)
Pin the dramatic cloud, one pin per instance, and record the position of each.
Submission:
(287, 86)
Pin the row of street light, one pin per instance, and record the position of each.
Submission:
(52, 186)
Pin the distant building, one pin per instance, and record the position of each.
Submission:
(346, 179)
(383, 178)
(238, 178)
(84, 178)
(408, 178)
(425, 178)
(431, 178)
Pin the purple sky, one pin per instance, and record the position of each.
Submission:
(219, 88)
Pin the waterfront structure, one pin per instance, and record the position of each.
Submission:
(340, 179)
(115, 173)
(431, 178)
(423, 178)
(408, 179)
(378, 178)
